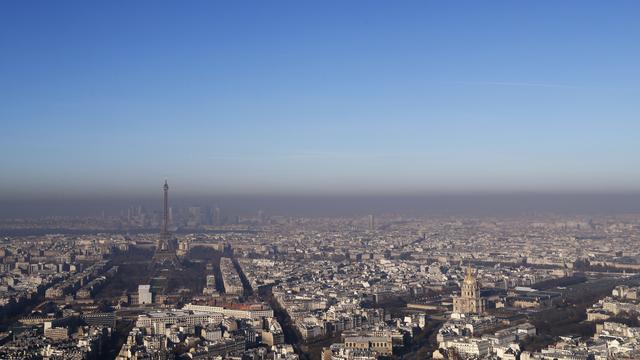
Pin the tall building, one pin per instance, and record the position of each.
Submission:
(144, 294)
(217, 216)
(372, 222)
(211, 281)
(194, 216)
(165, 249)
(469, 301)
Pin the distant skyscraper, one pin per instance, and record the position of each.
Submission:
(194, 216)
(372, 222)
(217, 216)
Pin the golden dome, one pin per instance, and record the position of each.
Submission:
(469, 278)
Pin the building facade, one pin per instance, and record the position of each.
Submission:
(469, 301)
(145, 296)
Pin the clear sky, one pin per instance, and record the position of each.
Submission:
(273, 97)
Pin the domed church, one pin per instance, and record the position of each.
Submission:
(469, 301)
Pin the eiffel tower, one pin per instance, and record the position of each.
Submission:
(165, 255)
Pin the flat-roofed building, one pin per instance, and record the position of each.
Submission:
(383, 345)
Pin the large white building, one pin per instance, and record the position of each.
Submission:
(157, 322)
(230, 277)
(144, 294)
(236, 313)
(466, 347)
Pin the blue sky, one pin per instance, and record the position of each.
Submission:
(279, 97)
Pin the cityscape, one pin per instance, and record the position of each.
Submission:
(363, 287)
(357, 180)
